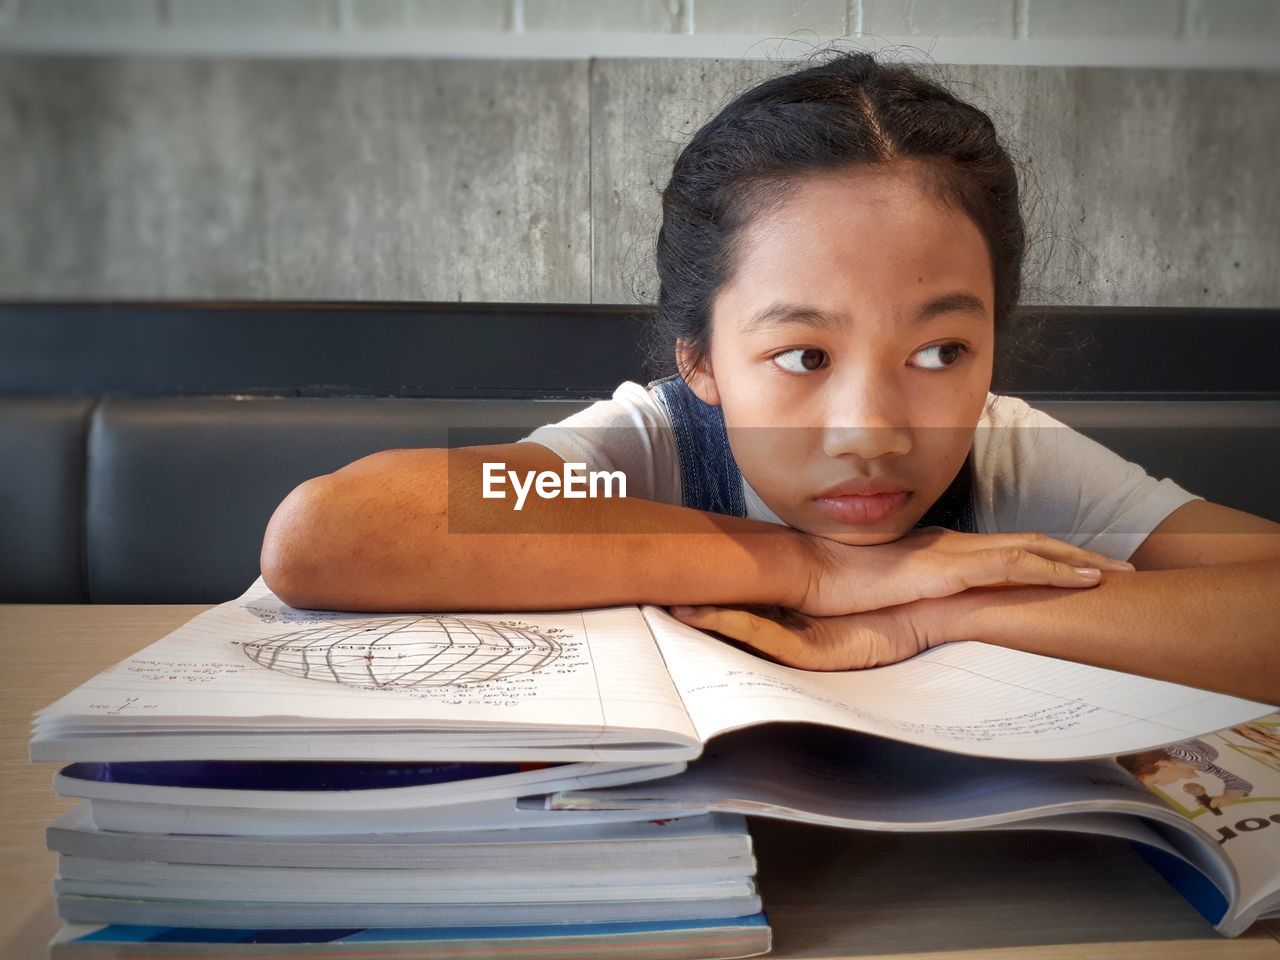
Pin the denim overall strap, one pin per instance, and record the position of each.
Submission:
(710, 479)
(709, 476)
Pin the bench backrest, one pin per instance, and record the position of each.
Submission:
(122, 490)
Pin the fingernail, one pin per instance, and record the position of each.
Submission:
(1091, 572)
(682, 611)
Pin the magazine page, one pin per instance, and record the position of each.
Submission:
(1228, 785)
(965, 697)
(257, 665)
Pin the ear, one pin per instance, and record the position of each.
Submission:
(699, 376)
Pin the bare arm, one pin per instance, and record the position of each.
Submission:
(1203, 608)
(409, 529)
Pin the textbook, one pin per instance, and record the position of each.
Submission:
(691, 858)
(308, 797)
(299, 732)
(671, 870)
(684, 902)
(604, 869)
(1204, 812)
(254, 679)
(643, 844)
(661, 940)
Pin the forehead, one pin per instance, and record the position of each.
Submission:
(853, 234)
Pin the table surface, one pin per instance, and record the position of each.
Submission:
(829, 893)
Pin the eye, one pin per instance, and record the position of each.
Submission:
(944, 354)
(800, 360)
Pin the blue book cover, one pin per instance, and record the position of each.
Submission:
(290, 775)
(121, 933)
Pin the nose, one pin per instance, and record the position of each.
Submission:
(866, 421)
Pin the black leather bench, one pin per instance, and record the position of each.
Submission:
(146, 445)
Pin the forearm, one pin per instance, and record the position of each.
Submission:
(402, 543)
(1215, 627)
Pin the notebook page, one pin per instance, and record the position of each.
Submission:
(255, 662)
(967, 697)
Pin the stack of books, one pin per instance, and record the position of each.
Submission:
(607, 884)
(451, 784)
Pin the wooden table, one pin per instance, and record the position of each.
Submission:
(829, 893)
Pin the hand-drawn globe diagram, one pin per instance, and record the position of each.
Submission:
(409, 652)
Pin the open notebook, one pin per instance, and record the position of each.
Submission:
(256, 679)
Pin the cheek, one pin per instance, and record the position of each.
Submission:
(767, 453)
(957, 402)
(774, 459)
(752, 399)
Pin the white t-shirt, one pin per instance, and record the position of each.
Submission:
(1031, 472)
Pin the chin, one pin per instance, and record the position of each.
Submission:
(856, 538)
(850, 535)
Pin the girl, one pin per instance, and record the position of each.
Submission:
(825, 476)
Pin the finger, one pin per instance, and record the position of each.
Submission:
(1068, 553)
(1040, 543)
(1015, 565)
(756, 632)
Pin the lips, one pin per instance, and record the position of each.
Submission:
(862, 488)
(857, 507)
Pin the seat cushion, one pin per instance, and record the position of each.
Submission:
(180, 489)
(41, 498)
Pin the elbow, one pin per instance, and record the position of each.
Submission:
(293, 549)
(355, 538)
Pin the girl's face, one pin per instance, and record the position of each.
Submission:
(851, 352)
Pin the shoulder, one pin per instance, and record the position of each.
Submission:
(630, 431)
(1194, 749)
(631, 405)
(1033, 472)
(1008, 445)
(1007, 412)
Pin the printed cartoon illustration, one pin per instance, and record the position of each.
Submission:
(1264, 736)
(1186, 772)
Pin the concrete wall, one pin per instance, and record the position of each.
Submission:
(1143, 187)
(513, 150)
(1152, 33)
(538, 180)
(392, 180)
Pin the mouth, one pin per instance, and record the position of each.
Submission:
(861, 508)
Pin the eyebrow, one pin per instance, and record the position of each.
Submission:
(779, 314)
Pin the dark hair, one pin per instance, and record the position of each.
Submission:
(849, 110)
(1143, 764)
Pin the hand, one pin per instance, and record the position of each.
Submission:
(795, 639)
(1226, 798)
(935, 562)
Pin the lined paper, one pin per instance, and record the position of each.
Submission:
(254, 663)
(966, 697)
